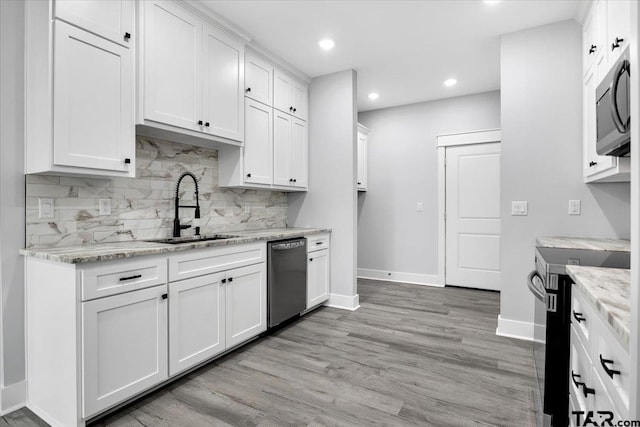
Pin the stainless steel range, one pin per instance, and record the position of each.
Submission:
(551, 286)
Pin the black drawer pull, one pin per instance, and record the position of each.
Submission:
(319, 243)
(310, 259)
(610, 372)
(137, 276)
(127, 36)
(248, 90)
(578, 317)
(592, 49)
(573, 378)
(587, 390)
(230, 279)
(165, 296)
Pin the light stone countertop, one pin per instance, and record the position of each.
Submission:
(109, 251)
(607, 290)
(591, 243)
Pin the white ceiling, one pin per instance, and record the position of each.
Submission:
(403, 50)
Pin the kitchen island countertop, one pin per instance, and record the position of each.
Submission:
(591, 243)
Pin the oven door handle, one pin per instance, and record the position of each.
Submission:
(621, 68)
(537, 290)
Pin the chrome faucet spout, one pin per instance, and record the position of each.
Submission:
(177, 227)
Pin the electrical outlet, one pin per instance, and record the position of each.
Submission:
(46, 208)
(519, 208)
(105, 207)
(574, 207)
(419, 208)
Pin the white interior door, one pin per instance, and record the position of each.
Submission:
(473, 216)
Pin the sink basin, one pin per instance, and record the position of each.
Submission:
(191, 239)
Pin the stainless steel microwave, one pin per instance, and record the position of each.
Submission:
(613, 117)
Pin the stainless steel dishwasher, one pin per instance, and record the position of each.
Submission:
(286, 279)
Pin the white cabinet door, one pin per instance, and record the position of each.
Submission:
(281, 148)
(258, 144)
(618, 28)
(299, 100)
(362, 162)
(317, 277)
(298, 157)
(124, 346)
(111, 19)
(172, 65)
(223, 103)
(282, 92)
(590, 47)
(593, 163)
(258, 79)
(196, 321)
(246, 303)
(93, 122)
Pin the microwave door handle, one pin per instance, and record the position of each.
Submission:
(613, 93)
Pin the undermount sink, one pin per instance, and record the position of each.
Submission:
(191, 239)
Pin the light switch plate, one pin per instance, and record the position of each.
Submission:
(419, 207)
(46, 208)
(105, 207)
(574, 207)
(519, 208)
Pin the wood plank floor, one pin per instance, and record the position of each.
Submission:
(411, 355)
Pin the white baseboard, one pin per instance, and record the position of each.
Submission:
(518, 329)
(345, 302)
(13, 397)
(397, 276)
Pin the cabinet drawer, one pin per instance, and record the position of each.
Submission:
(610, 354)
(580, 373)
(102, 279)
(602, 402)
(317, 242)
(212, 260)
(582, 317)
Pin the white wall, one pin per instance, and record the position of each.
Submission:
(403, 170)
(541, 98)
(331, 199)
(11, 200)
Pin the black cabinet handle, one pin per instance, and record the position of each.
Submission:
(573, 378)
(199, 122)
(127, 161)
(592, 163)
(295, 109)
(165, 296)
(230, 279)
(248, 175)
(247, 90)
(224, 280)
(610, 372)
(290, 108)
(616, 44)
(295, 180)
(318, 243)
(359, 183)
(290, 179)
(592, 49)
(578, 316)
(127, 36)
(310, 259)
(587, 390)
(206, 124)
(137, 276)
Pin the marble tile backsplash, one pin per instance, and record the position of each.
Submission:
(143, 207)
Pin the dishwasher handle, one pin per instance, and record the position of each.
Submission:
(288, 245)
(536, 289)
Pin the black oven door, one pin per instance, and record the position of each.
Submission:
(536, 286)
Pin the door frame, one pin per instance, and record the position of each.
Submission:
(451, 140)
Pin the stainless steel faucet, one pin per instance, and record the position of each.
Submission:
(177, 227)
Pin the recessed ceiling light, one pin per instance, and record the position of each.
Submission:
(373, 96)
(326, 44)
(491, 1)
(450, 82)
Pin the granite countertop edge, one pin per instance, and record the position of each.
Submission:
(120, 250)
(611, 303)
(590, 243)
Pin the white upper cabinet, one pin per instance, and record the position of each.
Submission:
(93, 103)
(80, 93)
(258, 79)
(223, 103)
(193, 75)
(289, 151)
(258, 144)
(289, 95)
(172, 65)
(111, 19)
(591, 44)
(618, 28)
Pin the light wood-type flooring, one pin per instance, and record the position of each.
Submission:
(411, 355)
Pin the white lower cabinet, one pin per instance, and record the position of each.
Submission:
(124, 346)
(246, 303)
(318, 270)
(196, 320)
